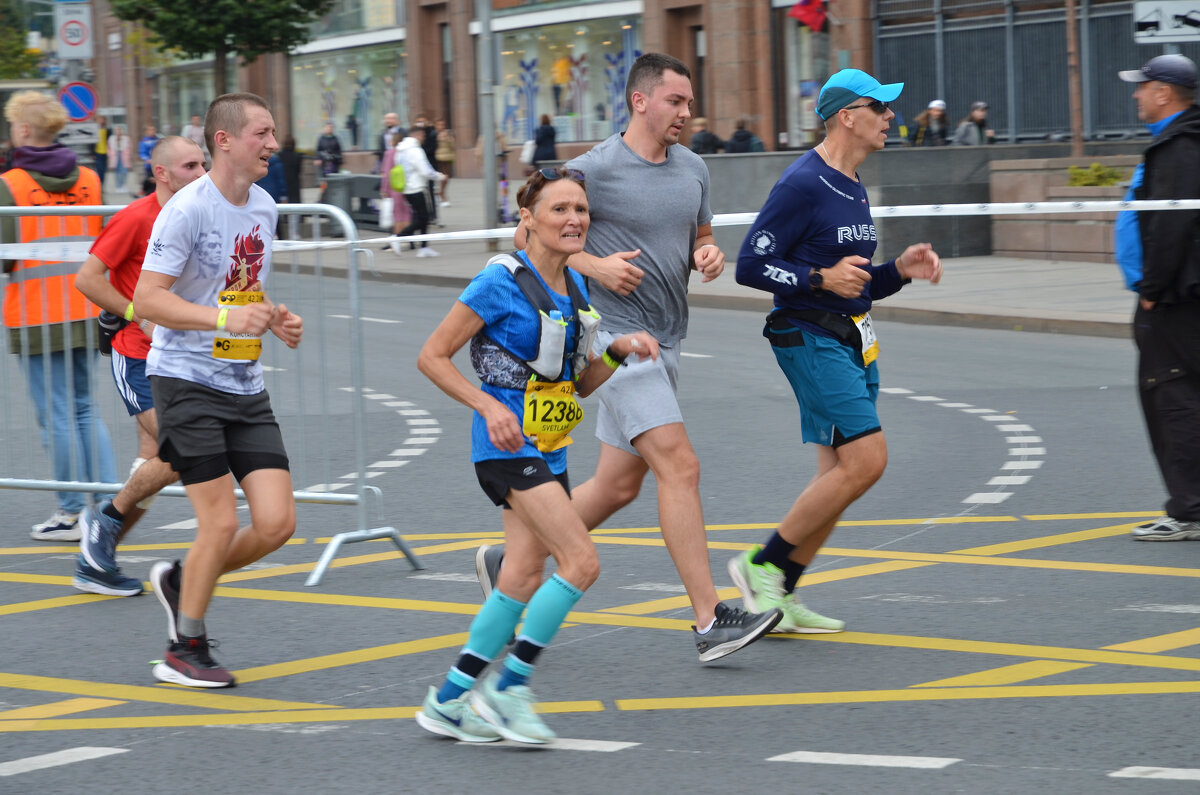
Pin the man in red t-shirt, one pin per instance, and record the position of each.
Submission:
(108, 278)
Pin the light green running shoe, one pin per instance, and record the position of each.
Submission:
(762, 589)
(510, 712)
(454, 718)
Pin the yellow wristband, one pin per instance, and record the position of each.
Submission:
(608, 359)
(129, 311)
(221, 317)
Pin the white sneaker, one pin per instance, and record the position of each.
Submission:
(397, 249)
(444, 204)
(62, 526)
(427, 252)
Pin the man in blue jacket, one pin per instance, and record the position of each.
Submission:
(1158, 253)
(811, 246)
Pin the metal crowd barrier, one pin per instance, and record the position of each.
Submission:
(296, 379)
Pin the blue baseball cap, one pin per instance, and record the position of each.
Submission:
(850, 84)
(1175, 69)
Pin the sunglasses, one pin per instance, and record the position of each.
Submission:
(875, 105)
(551, 174)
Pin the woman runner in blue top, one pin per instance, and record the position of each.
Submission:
(519, 431)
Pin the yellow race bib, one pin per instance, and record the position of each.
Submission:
(551, 413)
(227, 345)
(870, 343)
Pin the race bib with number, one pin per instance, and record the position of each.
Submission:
(551, 413)
(870, 343)
(227, 345)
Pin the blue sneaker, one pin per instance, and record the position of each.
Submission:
(454, 718)
(98, 538)
(107, 583)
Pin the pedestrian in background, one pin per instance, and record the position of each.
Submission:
(291, 161)
(401, 211)
(931, 127)
(973, 130)
(446, 152)
(145, 147)
(811, 246)
(704, 142)
(545, 149)
(100, 150)
(118, 156)
(743, 140)
(46, 316)
(429, 144)
(194, 132)
(1159, 254)
(419, 175)
(392, 132)
(329, 151)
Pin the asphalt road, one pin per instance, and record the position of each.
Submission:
(1004, 634)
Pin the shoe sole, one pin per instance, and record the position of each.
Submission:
(165, 673)
(725, 649)
(1178, 535)
(743, 585)
(155, 578)
(87, 586)
(57, 535)
(806, 630)
(496, 722)
(430, 725)
(485, 584)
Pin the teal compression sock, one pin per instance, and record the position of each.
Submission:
(547, 610)
(494, 625)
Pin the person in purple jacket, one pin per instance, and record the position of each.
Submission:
(811, 246)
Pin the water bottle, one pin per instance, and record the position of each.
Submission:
(109, 324)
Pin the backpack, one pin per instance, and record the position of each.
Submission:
(396, 178)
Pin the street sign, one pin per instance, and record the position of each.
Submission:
(110, 110)
(82, 134)
(79, 99)
(1166, 21)
(73, 30)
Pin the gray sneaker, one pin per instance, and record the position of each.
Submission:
(98, 538)
(487, 567)
(733, 629)
(1167, 529)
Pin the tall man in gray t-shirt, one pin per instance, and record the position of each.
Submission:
(650, 226)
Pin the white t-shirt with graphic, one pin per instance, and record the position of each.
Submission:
(212, 247)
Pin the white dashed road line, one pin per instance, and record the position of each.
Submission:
(68, 757)
(1171, 773)
(865, 760)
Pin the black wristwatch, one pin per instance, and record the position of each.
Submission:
(815, 279)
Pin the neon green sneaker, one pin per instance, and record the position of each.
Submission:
(510, 712)
(762, 589)
(454, 718)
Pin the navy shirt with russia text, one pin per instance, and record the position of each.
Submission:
(814, 216)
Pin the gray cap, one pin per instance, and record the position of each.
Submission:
(1175, 69)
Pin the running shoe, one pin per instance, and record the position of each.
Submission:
(98, 538)
(1167, 529)
(62, 526)
(165, 579)
(101, 581)
(188, 663)
(487, 567)
(762, 589)
(454, 718)
(510, 712)
(732, 629)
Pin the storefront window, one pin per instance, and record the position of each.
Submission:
(806, 66)
(188, 94)
(351, 88)
(573, 73)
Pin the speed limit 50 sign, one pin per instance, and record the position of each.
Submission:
(73, 29)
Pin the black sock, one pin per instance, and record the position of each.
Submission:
(111, 511)
(775, 552)
(791, 575)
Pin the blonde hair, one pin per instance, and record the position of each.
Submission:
(228, 112)
(42, 112)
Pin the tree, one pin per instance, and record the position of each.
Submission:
(15, 61)
(246, 28)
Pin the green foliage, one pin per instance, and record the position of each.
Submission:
(15, 61)
(249, 29)
(1095, 175)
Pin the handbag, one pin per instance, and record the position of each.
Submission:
(527, 150)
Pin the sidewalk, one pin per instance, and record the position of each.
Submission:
(1085, 298)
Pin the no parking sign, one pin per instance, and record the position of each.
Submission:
(73, 29)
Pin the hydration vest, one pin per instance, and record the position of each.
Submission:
(551, 357)
(43, 291)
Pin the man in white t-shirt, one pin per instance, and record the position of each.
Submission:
(215, 418)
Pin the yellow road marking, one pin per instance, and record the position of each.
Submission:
(157, 695)
(885, 696)
(301, 568)
(35, 579)
(1160, 643)
(1048, 541)
(323, 662)
(68, 707)
(58, 601)
(482, 535)
(1041, 517)
(1008, 674)
(258, 718)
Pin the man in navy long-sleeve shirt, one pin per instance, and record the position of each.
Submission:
(811, 246)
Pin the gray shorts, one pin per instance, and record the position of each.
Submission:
(638, 397)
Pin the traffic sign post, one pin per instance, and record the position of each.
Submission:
(1166, 21)
(80, 101)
